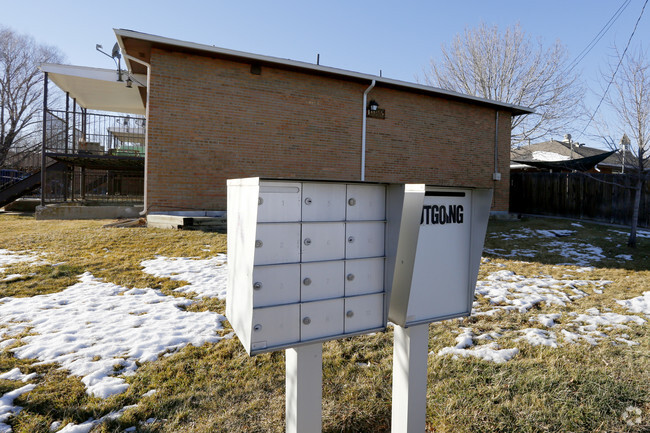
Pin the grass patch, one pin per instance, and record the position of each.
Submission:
(577, 387)
(113, 254)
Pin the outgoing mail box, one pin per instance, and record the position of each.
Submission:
(442, 231)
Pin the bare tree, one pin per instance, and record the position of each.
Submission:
(629, 98)
(20, 88)
(509, 67)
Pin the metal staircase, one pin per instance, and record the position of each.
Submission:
(16, 190)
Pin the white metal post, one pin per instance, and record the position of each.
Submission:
(410, 353)
(304, 388)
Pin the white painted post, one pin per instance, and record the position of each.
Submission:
(410, 353)
(304, 388)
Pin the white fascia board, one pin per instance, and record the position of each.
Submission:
(122, 33)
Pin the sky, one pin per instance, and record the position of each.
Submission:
(129, 326)
(398, 38)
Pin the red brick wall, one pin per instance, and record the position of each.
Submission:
(211, 120)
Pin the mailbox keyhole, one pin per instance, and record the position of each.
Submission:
(352, 202)
(258, 244)
(349, 313)
(308, 200)
(257, 328)
(257, 286)
(306, 281)
(306, 320)
(307, 241)
(260, 200)
(350, 239)
(350, 277)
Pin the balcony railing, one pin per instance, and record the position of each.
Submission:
(94, 133)
(87, 134)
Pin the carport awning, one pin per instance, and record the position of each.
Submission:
(580, 164)
(98, 89)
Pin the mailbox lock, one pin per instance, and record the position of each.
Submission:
(258, 244)
(257, 285)
(350, 239)
(306, 281)
(350, 277)
(260, 200)
(349, 313)
(257, 328)
(352, 202)
(306, 320)
(307, 241)
(308, 200)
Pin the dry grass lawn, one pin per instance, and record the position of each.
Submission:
(574, 387)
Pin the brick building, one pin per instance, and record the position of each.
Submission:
(214, 114)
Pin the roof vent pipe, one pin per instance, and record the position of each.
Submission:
(363, 131)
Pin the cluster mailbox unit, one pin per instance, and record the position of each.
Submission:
(311, 261)
(307, 261)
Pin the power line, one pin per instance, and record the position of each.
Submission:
(598, 36)
(616, 70)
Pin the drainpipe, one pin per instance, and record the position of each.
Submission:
(142, 62)
(363, 131)
(496, 175)
(44, 137)
(146, 137)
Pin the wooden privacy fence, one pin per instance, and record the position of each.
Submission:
(600, 197)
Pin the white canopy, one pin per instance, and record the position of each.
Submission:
(98, 89)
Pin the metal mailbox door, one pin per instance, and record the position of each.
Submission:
(364, 312)
(321, 319)
(440, 282)
(277, 243)
(323, 241)
(366, 202)
(275, 326)
(276, 285)
(279, 202)
(364, 239)
(364, 276)
(323, 202)
(321, 280)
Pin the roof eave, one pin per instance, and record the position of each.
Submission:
(123, 35)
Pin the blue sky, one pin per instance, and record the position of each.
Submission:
(397, 37)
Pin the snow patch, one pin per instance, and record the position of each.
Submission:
(206, 277)
(99, 330)
(640, 304)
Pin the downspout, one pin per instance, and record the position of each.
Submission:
(363, 131)
(146, 137)
(496, 175)
(44, 137)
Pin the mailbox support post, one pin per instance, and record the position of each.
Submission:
(304, 388)
(410, 354)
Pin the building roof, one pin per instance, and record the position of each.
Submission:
(137, 47)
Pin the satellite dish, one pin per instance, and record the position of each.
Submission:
(116, 51)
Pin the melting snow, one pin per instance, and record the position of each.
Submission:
(207, 277)
(539, 337)
(488, 352)
(7, 409)
(94, 328)
(639, 304)
(8, 258)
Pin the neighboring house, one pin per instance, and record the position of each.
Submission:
(563, 151)
(214, 114)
